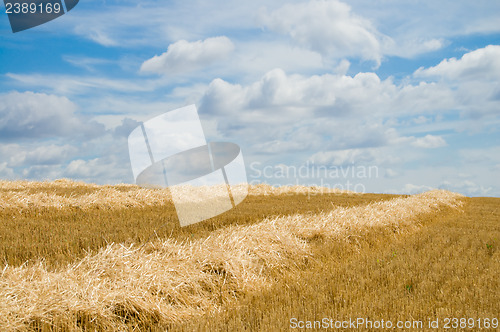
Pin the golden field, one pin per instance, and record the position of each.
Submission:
(76, 256)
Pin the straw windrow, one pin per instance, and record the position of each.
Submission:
(167, 281)
(25, 195)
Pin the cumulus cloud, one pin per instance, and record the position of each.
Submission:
(6, 172)
(101, 160)
(390, 155)
(38, 160)
(329, 28)
(38, 115)
(51, 154)
(473, 81)
(467, 186)
(107, 169)
(126, 127)
(83, 168)
(481, 64)
(335, 117)
(184, 56)
(429, 142)
(277, 89)
(329, 95)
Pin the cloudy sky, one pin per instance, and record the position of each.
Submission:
(386, 95)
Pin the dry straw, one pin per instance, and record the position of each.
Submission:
(22, 195)
(168, 281)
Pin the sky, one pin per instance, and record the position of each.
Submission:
(380, 96)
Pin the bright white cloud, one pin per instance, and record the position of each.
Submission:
(472, 81)
(287, 93)
(329, 28)
(337, 119)
(482, 64)
(184, 56)
(332, 95)
(340, 94)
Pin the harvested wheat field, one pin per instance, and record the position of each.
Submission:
(80, 257)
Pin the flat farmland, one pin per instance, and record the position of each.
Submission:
(80, 257)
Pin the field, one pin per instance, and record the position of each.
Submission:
(84, 257)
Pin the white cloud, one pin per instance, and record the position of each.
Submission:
(467, 186)
(281, 146)
(152, 23)
(344, 157)
(482, 64)
(6, 172)
(282, 114)
(283, 93)
(83, 168)
(185, 56)
(391, 155)
(106, 169)
(421, 120)
(410, 48)
(342, 67)
(69, 84)
(41, 155)
(473, 81)
(96, 35)
(419, 26)
(277, 94)
(413, 27)
(37, 115)
(87, 63)
(299, 94)
(329, 28)
(429, 142)
(252, 58)
(40, 160)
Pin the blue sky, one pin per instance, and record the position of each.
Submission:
(410, 89)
